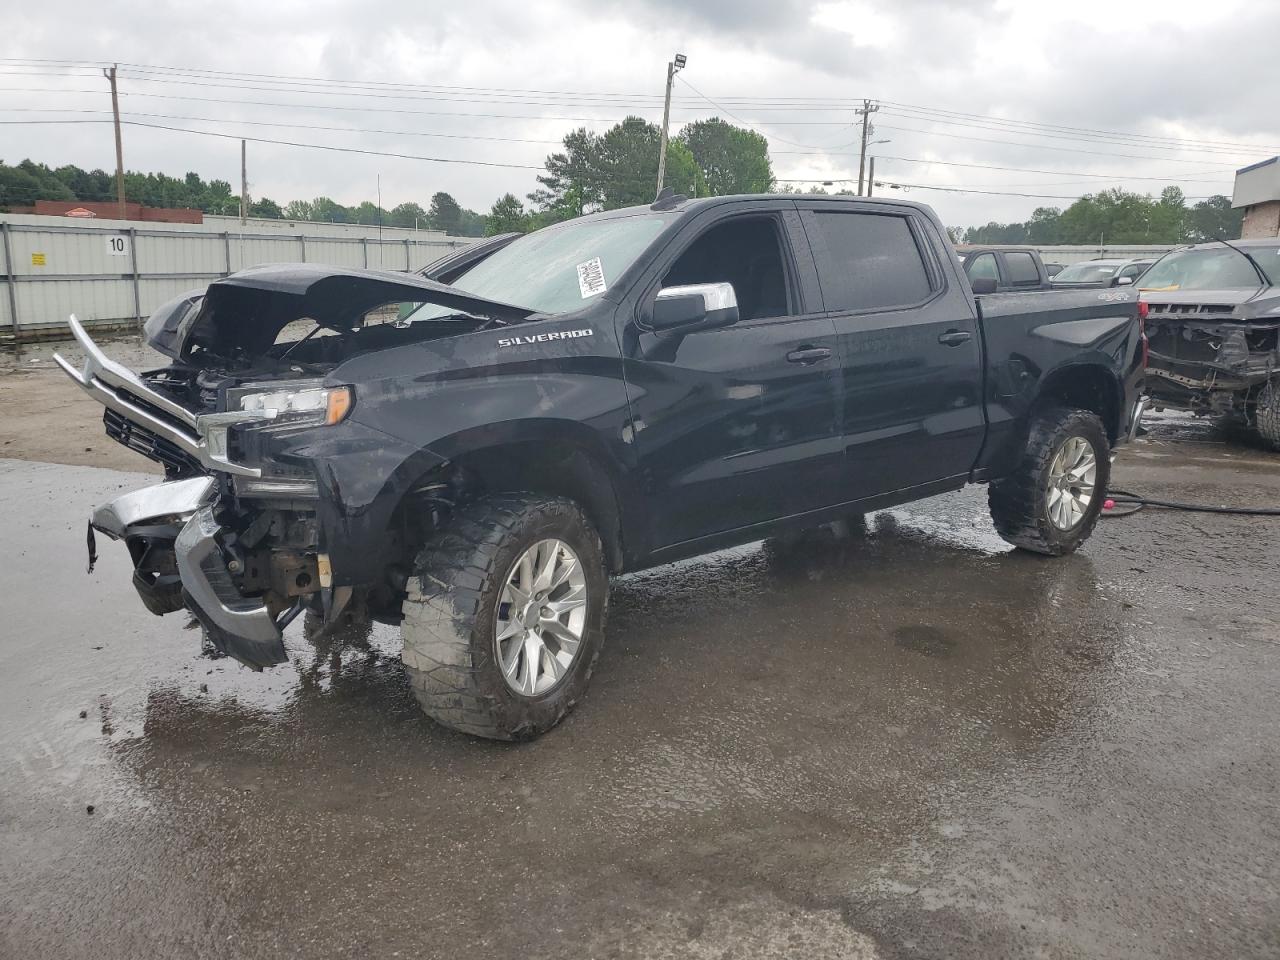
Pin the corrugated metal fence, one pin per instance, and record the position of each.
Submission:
(112, 276)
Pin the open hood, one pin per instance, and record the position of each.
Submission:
(247, 310)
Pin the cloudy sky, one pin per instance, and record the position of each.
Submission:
(1068, 98)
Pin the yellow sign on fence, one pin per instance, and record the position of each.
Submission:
(37, 259)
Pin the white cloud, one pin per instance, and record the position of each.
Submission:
(1158, 69)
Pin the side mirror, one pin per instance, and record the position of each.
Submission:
(1122, 281)
(702, 305)
(984, 285)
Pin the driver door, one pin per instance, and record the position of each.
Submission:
(737, 425)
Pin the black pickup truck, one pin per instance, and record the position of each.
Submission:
(600, 396)
(1010, 268)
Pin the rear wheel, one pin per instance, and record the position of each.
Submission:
(505, 616)
(1051, 501)
(1267, 414)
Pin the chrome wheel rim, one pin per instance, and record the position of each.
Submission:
(1071, 483)
(541, 615)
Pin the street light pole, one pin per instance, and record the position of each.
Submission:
(672, 67)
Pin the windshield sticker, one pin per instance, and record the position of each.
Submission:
(591, 277)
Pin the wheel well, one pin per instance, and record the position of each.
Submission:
(554, 469)
(1089, 387)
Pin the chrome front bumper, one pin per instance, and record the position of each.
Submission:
(239, 626)
(1135, 420)
(204, 438)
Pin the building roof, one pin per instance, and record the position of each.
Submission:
(1257, 183)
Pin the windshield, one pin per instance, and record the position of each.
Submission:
(557, 269)
(1086, 272)
(1211, 268)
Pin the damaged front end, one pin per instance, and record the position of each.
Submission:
(254, 437)
(1211, 358)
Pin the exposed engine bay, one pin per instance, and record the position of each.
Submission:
(1209, 365)
(236, 534)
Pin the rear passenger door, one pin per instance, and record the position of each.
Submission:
(909, 346)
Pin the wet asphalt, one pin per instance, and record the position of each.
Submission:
(906, 742)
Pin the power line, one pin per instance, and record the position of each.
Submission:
(169, 73)
(988, 166)
(721, 107)
(299, 126)
(1047, 146)
(322, 146)
(1078, 137)
(1084, 130)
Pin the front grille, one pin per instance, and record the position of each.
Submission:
(143, 441)
(1192, 309)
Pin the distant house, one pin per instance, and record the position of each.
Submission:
(111, 211)
(1258, 192)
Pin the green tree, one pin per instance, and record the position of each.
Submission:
(471, 224)
(408, 215)
(329, 211)
(266, 209)
(445, 213)
(298, 210)
(506, 216)
(571, 186)
(1213, 219)
(731, 159)
(368, 213)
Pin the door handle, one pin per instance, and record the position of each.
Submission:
(808, 355)
(953, 338)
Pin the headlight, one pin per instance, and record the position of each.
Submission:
(305, 402)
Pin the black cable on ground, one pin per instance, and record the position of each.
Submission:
(1137, 502)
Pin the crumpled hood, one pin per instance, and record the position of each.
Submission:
(247, 310)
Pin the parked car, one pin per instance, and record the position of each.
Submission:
(1101, 273)
(600, 396)
(1213, 318)
(1012, 268)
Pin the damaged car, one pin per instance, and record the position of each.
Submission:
(1212, 314)
(473, 452)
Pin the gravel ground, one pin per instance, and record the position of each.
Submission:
(913, 743)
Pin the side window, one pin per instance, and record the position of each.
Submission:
(982, 267)
(744, 252)
(1022, 269)
(869, 261)
(1133, 269)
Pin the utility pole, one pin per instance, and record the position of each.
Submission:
(871, 176)
(244, 182)
(672, 67)
(115, 113)
(867, 109)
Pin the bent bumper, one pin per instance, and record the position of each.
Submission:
(203, 438)
(239, 626)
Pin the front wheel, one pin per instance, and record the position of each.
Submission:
(1051, 501)
(1267, 414)
(504, 616)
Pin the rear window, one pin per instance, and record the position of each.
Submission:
(1022, 268)
(869, 261)
(1088, 272)
(983, 267)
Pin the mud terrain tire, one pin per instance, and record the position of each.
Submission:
(1019, 502)
(1267, 414)
(451, 614)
